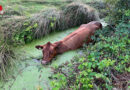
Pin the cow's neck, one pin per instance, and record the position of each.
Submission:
(62, 48)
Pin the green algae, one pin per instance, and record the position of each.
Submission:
(29, 73)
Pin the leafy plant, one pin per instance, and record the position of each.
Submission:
(118, 11)
(26, 35)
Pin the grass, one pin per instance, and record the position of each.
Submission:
(31, 6)
(79, 13)
(34, 6)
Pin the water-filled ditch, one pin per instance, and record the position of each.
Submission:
(29, 73)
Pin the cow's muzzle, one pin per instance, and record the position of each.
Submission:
(44, 62)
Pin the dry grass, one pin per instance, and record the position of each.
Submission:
(6, 57)
(79, 13)
(48, 21)
(6, 60)
(72, 15)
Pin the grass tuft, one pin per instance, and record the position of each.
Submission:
(6, 57)
(48, 21)
(79, 13)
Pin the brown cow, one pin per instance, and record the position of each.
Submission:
(70, 42)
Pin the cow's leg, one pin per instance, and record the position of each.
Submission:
(89, 40)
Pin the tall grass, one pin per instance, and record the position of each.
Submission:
(79, 13)
(48, 21)
(6, 56)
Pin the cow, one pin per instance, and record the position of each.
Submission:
(71, 42)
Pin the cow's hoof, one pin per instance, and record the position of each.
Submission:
(44, 62)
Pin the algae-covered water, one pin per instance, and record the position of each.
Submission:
(29, 73)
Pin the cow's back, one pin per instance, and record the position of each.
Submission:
(77, 38)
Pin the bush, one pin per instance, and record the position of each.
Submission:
(101, 66)
(10, 29)
(118, 11)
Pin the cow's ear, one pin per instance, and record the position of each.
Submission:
(39, 47)
(49, 43)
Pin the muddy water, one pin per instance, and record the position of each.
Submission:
(29, 73)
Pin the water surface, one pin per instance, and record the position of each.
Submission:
(29, 73)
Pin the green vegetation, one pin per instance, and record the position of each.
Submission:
(29, 73)
(26, 35)
(20, 25)
(100, 64)
(118, 11)
(103, 64)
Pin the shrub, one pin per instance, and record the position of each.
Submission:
(118, 11)
(10, 27)
(25, 33)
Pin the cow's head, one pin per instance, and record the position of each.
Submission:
(97, 25)
(49, 50)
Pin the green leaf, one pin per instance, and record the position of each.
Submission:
(52, 24)
(35, 25)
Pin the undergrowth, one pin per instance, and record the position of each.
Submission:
(104, 65)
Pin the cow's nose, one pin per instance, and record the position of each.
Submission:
(44, 62)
